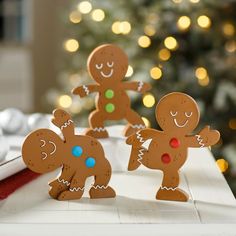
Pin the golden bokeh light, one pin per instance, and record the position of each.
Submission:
(201, 73)
(144, 41)
(146, 122)
(222, 164)
(129, 72)
(194, 1)
(228, 29)
(75, 17)
(98, 15)
(71, 45)
(204, 21)
(149, 30)
(125, 27)
(177, 1)
(232, 123)
(171, 43)
(148, 100)
(204, 82)
(84, 7)
(164, 54)
(183, 23)
(116, 27)
(230, 46)
(65, 101)
(156, 73)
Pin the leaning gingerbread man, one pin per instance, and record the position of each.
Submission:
(79, 156)
(108, 65)
(177, 114)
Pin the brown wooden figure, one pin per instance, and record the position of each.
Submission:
(108, 65)
(79, 156)
(177, 114)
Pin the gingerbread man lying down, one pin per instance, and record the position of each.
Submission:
(79, 156)
(178, 115)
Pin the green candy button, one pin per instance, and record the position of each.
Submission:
(110, 107)
(109, 93)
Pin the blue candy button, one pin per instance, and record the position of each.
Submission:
(90, 162)
(77, 151)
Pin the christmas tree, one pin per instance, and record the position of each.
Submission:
(178, 45)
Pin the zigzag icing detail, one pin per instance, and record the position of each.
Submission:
(99, 129)
(86, 90)
(168, 188)
(63, 181)
(100, 187)
(66, 124)
(199, 139)
(139, 137)
(76, 189)
(140, 155)
(140, 85)
(138, 126)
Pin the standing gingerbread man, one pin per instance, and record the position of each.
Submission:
(108, 65)
(178, 115)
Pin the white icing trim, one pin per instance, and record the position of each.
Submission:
(110, 65)
(55, 147)
(44, 142)
(76, 189)
(140, 86)
(138, 126)
(67, 183)
(140, 155)
(100, 187)
(199, 139)
(180, 126)
(86, 90)
(66, 124)
(99, 129)
(139, 137)
(45, 155)
(168, 188)
(173, 114)
(107, 75)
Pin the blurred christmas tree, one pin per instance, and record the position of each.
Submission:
(178, 45)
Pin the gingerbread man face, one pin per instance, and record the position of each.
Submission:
(107, 62)
(177, 112)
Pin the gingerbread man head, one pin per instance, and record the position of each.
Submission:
(177, 112)
(107, 62)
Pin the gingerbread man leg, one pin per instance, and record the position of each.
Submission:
(96, 121)
(58, 186)
(169, 189)
(135, 123)
(100, 188)
(136, 156)
(75, 190)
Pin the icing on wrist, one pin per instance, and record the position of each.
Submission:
(67, 123)
(200, 140)
(140, 126)
(140, 86)
(140, 155)
(86, 90)
(139, 137)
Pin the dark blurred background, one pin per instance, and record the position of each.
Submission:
(176, 45)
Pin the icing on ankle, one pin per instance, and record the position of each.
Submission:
(168, 188)
(99, 129)
(76, 189)
(100, 187)
(65, 182)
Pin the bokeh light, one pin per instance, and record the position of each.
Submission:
(156, 73)
(171, 43)
(148, 100)
(146, 122)
(144, 41)
(201, 73)
(230, 46)
(129, 72)
(123, 27)
(71, 45)
(75, 17)
(183, 23)
(228, 29)
(65, 101)
(98, 15)
(149, 30)
(85, 7)
(222, 164)
(232, 123)
(164, 54)
(204, 82)
(204, 21)
(194, 1)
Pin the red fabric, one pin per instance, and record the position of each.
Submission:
(12, 183)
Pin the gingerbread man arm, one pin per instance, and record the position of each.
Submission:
(85, 90)
(137, 86)
(204, 138)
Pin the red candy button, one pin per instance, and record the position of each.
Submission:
(174, 143)
(166, 158)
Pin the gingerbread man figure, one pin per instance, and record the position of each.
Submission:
(79, 156)
(108, 65)
(177, 114)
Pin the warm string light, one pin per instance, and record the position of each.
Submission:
(149, 30)
(171, 43)
(176, 1)
(183, 23)
(232, 123)
(230, 46)
(148, 100)
(129, 72)
(146, 122)
(98, 15)
(228, 29)
(164, 54)
(64, 101)
(75, 17)
(144, 41)
(194, 1)
(71, 45)
(202, 76)
(156, 73)
(222, 164)
(204, 21)
(121, 27)
(84, 7)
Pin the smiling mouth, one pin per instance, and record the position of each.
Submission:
(107, 75)
(180, 125)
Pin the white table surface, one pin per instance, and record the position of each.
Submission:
(211, 209)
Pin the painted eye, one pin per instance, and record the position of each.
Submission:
(99, 66)
(44, 155)
(110, 64)
(188, 114)
(173, 113)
